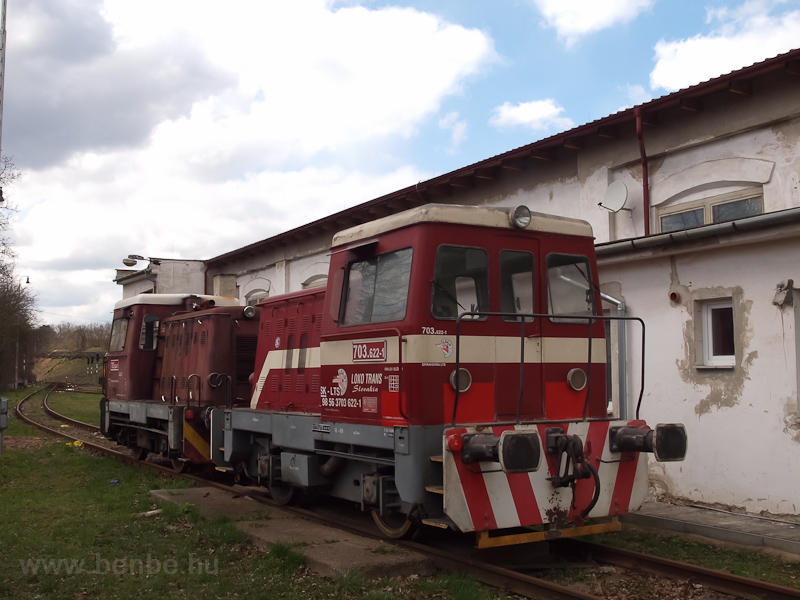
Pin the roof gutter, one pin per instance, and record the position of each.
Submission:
(782, 217)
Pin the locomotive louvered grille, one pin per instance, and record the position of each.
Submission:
(292, 325)
(300, 384)
(287, 383)
(203, 336)
(183, 383)
(194, 338)
(245, 357)
(319, 322)
(305, 324)
(315, 384)
(273, 383)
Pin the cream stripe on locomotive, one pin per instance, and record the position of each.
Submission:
(277, 360)
(420, 349)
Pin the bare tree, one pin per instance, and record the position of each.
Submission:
(8, 173)
(16, 301)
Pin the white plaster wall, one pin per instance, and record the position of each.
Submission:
(180, 277)
(284, 276)
(743, 440)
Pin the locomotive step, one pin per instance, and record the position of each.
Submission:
(440, 522)
(434, 489)
(438, 459)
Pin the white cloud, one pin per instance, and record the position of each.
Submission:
(305, 83)
(573, 19)
(740, 37)
(458, 129)
(311, 79)
(538, 115)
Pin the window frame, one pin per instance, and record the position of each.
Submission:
(119, 334)
(483, 304)
(504, 267)
(346, 284)
(707, 205)
(709, 359)
(567, 318)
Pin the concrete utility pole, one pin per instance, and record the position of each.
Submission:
(2, 70)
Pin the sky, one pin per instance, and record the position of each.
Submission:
(189, 128)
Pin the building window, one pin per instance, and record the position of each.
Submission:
(253, 297)
(717, 209)
(718, 339)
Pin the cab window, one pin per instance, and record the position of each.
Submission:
(377, 289)
(569, 287)
(516, 283)
(119, 329)
(460, 282)
(148, 338)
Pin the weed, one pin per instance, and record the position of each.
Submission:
(350, 584)
(286, 557)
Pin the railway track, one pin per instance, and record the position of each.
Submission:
(509, 580)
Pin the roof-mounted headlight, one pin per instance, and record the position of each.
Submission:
(248, 312)
(521, 217)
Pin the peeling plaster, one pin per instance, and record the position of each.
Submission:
(724, 386)
(791, 420)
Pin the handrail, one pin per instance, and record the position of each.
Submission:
(354, 336)
(189, 389)
(523, 318)
(172, 387)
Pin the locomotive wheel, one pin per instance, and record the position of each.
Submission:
(394, 525)
(282, 493)
(180, 466)
(139, 453)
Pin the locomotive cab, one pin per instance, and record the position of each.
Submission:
(171, 357)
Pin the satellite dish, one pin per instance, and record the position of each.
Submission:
(616, 197)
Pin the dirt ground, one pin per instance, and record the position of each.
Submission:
(22, 442)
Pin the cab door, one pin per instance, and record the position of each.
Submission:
(518, 367)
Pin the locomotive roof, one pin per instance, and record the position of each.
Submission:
(478, 216)
(174, 299)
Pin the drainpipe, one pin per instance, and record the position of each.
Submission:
(622, 360)
(637, 111)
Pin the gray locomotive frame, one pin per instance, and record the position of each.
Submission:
(366, 464)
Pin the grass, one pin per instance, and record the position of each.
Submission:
(67, 531)
(15, 426)
(78, 406)
(742, 562)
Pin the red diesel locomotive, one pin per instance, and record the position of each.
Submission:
(452, 373)
(171, 358)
